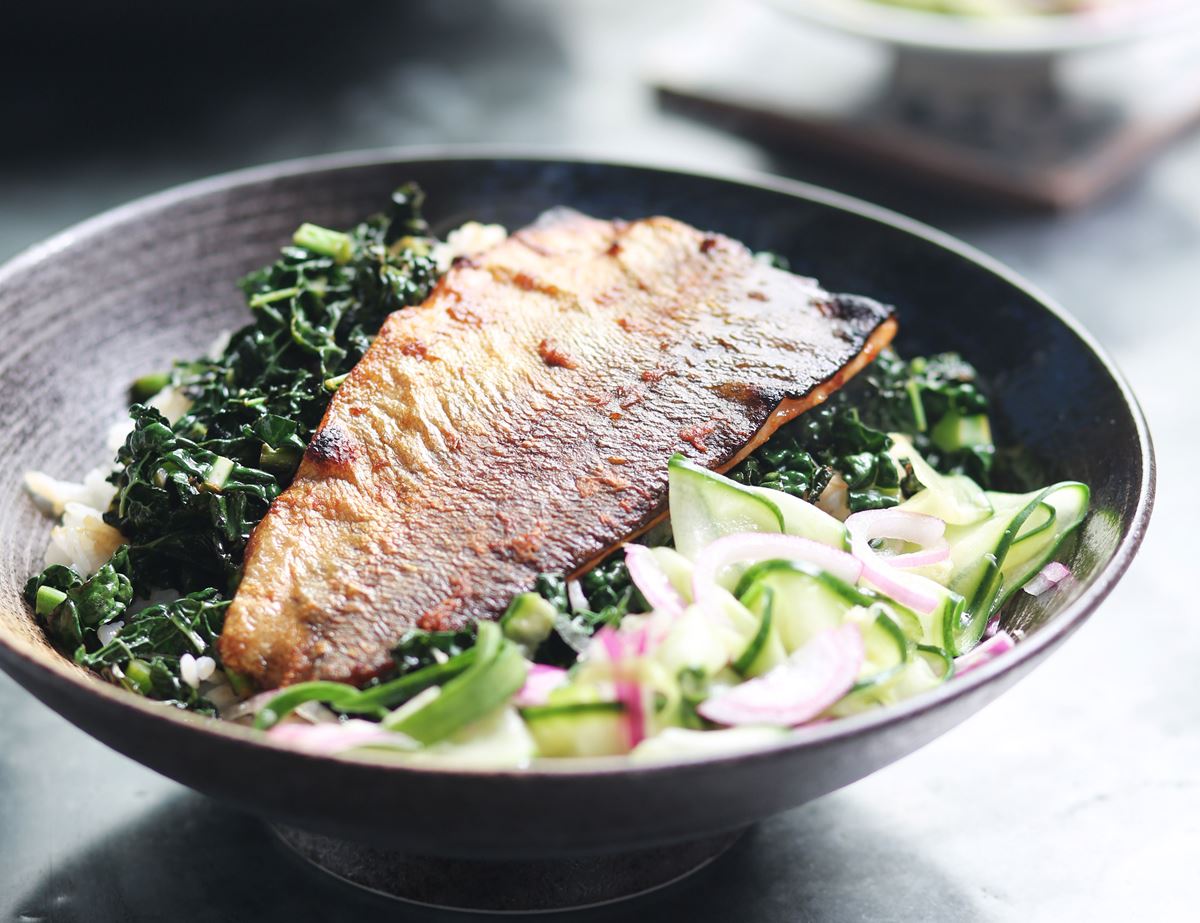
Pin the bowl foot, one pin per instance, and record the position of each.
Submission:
(506, 886)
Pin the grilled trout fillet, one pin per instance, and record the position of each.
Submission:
(520, 422)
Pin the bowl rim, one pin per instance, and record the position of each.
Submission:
(17, 660)
(929, 32)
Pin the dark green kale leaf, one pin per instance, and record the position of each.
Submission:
(72, 608)
(187, 510)
(144, 655)
(610, 595)
(189, 493)
(916, 397)
(189, 625)
(419, 648)
(848, 434)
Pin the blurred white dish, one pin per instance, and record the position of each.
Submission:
(916, 29)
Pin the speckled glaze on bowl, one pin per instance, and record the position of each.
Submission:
(124, 293)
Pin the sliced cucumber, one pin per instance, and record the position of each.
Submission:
(973, 548)
(886, 646)
(695, 642)
(922, 673)
(1034, 549)
(765, 649)
(739, 620)
(1038, 522)
(677, 568)
(496, 672)
(940, 663)
(936, 626)
(906, 619)
(595, 679)
(499, 740)
(806, 600)
(954, 432)
(953, 498)
(887, 654)
(578, 729)
(706, 506)
(806, 520)
(925, 669)
(979, 552)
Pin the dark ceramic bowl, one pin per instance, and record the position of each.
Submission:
(124, 293)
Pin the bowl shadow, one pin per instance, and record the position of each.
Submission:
(194, 859)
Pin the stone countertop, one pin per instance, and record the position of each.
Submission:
(1075, 796)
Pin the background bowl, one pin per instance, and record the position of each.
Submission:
(126, 292)
(980, 35)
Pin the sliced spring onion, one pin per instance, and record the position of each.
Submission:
(147, 386)
(48, 599)
(291, 698)
(374, 700)
(265, 298)
(324, 241)
(528, 620)
(497, 671)
(281, 461)
(954, 432)
(218, 473)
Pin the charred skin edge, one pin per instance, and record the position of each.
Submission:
(790, 408)
(785, 411)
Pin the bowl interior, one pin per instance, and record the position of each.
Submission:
(126, 293)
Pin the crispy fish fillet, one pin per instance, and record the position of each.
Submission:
(520, 422)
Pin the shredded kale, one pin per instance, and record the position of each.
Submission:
(610, 596)
(71, 608)
(144, 655)
(190, 492)
(315, 312)
(847, 435)
(419, 648)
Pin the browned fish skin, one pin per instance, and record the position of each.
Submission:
(519, 422)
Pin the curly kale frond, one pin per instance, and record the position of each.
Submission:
(189, 493)
(188, 625)
(936, 400)
(610, 596)
(419, 648)
(144, 655)
(72, 609)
